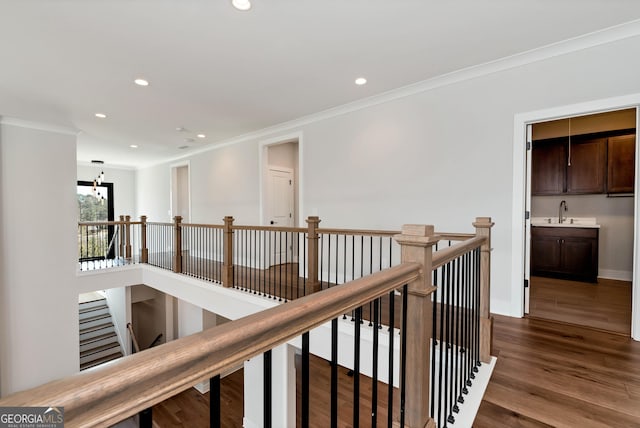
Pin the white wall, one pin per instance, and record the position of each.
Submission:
(124, 186)
(119, 301)
(38, 292)
(615, 217)
(189, 318)
(441, 156)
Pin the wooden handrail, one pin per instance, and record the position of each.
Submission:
(107, 394)
(159, 223)
(207, 226)
(444, 256)
(136, 347)
(453, 236)
(271, 228)
(106, 223)
(363, 232)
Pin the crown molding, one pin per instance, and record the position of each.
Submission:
(107, 166)
(585, 41)
(40, 126)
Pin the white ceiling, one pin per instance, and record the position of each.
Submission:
(226, 73)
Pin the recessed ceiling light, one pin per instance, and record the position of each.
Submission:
(133, 146)
(201, 136)
(141, 82)
(183, 147)
(101, 115)
(243, 5)
(361, 81)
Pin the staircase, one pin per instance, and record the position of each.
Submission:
(98, 339)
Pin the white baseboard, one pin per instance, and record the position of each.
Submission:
(248, 423)
(621, 275)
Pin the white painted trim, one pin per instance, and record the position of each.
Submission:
(40, 126)
(585, 41)
(517, 230)
(263, 162)
(620, 275)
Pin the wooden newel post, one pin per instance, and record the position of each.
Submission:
(227, 245)
(128, 230)
(122, 237)
(417, 243)
(312, 253)
(144, 251)
(483, 227)
(177, 244)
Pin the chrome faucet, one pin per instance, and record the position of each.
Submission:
(560, 218)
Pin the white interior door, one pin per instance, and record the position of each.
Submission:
(280, 210)
(527, 222)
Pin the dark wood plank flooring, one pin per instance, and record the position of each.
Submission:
(605, 305)
(548, 374)
(560, 375)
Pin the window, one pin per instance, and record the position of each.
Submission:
(95, 204)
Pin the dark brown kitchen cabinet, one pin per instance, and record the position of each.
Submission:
(586, 166)
(621, 164)
(548, 163)
(565, 252)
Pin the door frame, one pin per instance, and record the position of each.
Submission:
(173, 182)
(263, 161)
(521, 176)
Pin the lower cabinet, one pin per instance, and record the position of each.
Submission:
(565, 252)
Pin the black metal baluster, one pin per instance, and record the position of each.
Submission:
(267, 389)
(334, 373)
(403, 354)
(321, 255)
(374, 379)
(391, 351)
(329, 262)
(286, 266)
(456, 381)
(214, 402)
(280, 265)
(304, 264)
(450, 342)
(441, 345)
(305, 380)
(356, 369)
(370, 272)
(434, 341)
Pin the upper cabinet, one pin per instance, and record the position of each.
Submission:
(584, 165)
(621, 164)
(548, 161)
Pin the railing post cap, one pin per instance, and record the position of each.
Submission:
(177, 218)
(483, 222)
(417, 234)
(228, 218)
(143, 217)
(313, 219)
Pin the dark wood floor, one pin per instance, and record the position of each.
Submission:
(605, 305)
(548, 374)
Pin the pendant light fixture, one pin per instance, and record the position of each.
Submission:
(569, 155)
(98, 181)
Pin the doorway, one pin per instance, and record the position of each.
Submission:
(579, 232)
(280, 201)
(180, 192)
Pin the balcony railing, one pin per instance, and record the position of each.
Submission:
(430, 291)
